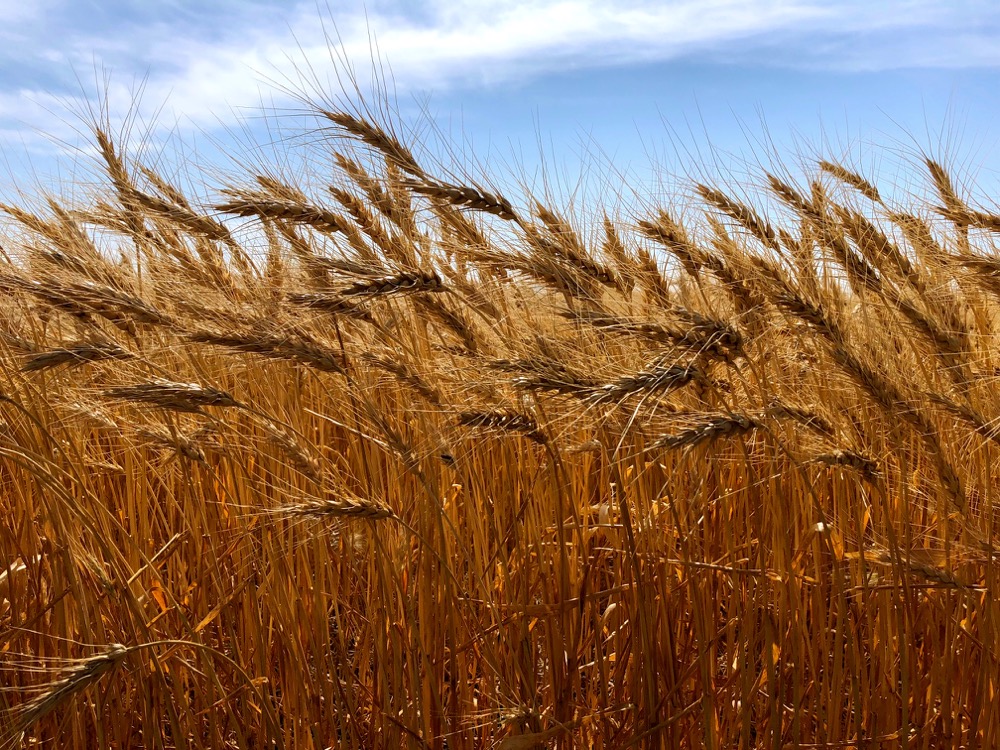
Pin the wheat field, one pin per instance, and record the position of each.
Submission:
(391, 460)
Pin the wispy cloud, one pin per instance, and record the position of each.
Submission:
(206, 60)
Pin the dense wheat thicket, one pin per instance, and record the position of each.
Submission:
(390, 460)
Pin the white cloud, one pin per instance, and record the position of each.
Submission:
(204, 75)
(466, 42)
(17, 11)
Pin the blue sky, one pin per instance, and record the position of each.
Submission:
(675, 83)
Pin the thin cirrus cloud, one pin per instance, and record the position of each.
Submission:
(205, 61)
